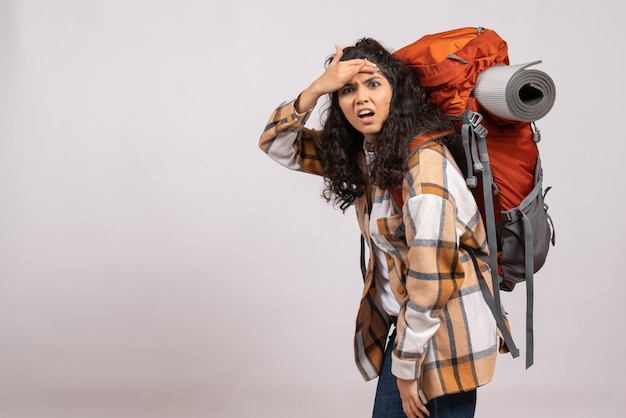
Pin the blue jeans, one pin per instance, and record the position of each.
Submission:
(387, 403)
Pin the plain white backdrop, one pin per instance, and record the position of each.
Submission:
(155, 263)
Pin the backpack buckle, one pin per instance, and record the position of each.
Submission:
(473, 119)
(536, 132)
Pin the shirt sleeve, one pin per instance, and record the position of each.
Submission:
(287, 141)
(434, 272)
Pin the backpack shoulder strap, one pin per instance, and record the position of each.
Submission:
(494, 307)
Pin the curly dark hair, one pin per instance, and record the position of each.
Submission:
(410, 114)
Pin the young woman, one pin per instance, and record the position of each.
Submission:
(420, 281)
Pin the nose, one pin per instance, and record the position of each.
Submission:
(362, 96)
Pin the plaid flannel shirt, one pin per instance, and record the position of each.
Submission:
(447, 337)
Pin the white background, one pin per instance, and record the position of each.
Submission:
(155, 263)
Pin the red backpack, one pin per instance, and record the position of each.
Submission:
(498, 156)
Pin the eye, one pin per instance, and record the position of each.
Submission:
(347, 90)
(374, 84)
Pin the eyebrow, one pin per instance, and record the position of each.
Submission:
(375, 77)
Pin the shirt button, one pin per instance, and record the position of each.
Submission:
(400, 290)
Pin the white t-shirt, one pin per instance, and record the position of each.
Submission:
(384, 297)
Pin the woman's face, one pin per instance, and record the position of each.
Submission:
(365, 102)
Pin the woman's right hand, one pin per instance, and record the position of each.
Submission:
(411, 402)
(337, 74)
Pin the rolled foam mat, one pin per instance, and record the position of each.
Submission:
(515, 92)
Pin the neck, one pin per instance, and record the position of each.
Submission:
(369, 144)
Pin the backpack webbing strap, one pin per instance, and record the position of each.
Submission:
(529, 268)
(530, 288)
(553, 232)
(470, 155)
(530, 292)
(496, 310)
(474, 135)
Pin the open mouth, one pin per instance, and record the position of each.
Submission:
(366, 114)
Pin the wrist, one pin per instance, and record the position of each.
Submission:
(305, 102)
